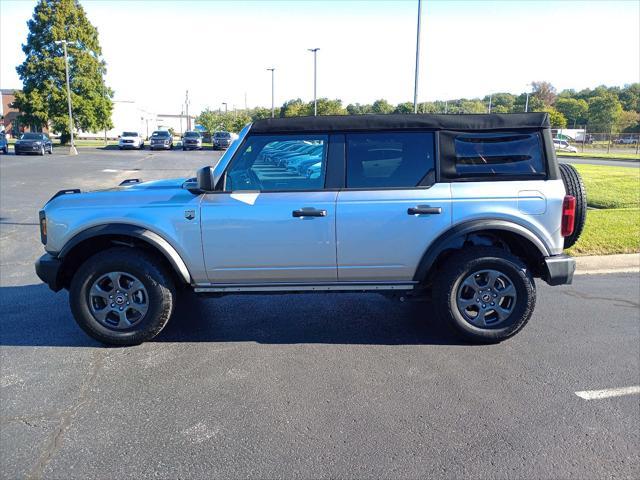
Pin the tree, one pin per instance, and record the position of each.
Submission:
(294, 108)
(43, 99)
(630, 97)
(501, 102)
(214, 121)
(604, 112)
(535, 104)
(544, 91)
(382, 106)
(327, 107)
(574, 110)
(259, 113)
(406, 107)
(556, 118)
(629, 121)
(472, 106)
(359, 109)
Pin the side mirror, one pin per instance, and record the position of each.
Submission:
(205, 179)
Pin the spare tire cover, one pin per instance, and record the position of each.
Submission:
(573, 186)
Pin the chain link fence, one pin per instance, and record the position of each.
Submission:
(598, 141)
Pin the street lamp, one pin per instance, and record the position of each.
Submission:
(273, 111)
(526, 103)
(415, 87)
(315, 77)
(72, 149)
(225, 107)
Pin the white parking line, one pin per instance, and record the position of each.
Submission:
(608, 393)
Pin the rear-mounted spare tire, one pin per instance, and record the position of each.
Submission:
(573, 186)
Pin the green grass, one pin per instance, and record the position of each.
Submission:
(615, 226)
(605, 156)
(611, 187)
(609, 231)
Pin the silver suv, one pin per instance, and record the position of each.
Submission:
(463, 209)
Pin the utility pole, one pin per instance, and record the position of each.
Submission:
(186, 106)
(315, 79)
(415, 87)
(273, 107)
(72, 149)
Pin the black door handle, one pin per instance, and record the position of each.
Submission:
(424, 210)
(309, 212)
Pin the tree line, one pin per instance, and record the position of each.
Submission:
(602, 109)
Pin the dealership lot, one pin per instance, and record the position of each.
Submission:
(311, 385)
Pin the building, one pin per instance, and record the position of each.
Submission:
(127, 116)
(11, 117)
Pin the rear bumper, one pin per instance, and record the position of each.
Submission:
(559, 270)
(47, 269)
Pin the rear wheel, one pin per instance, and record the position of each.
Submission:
(486, 294)
(573, 186)
(122, 296)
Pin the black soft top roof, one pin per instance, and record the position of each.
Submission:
(331, 123)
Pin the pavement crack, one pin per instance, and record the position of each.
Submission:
(66, 417)
(619, 302)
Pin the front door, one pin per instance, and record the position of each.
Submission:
(272, 224)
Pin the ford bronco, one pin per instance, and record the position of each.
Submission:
(464, 210)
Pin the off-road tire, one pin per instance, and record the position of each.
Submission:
(458, 267)
(145, 267)
(575, 187)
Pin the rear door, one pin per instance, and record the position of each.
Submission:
(391, 208)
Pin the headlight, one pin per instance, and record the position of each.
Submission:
(166, 142)
(37, 143)
(43, 227)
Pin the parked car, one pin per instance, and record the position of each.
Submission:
(130, 140)
(628, 140)
(4, 146)
(221, 140)
(161, 139)
(191, 141)
(33, 142)
(463, 209)
(563, 146)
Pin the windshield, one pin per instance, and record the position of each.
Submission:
(130, 134)
(31, 136)
(160, 133)
(192, 135)
(222, 135)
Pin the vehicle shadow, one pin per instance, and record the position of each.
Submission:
(35, 316)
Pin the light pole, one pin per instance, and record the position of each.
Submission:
(225, 107)
(72, 149)
(490, 100)
(526, 103)
(315, 79)
(415, 87)
(273, 110)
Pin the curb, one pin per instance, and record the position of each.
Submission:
(598, 264)
(614, 159)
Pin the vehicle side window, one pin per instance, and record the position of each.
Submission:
(279, 162)
(390, 160)
(482, 154)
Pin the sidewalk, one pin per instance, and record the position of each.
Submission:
(598, 264)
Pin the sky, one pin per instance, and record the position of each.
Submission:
(220, 50)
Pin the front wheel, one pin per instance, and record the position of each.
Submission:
(122, 296)
(486, 294)
(42, 152)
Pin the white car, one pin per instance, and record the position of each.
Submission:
(563, 146)
(130, 140)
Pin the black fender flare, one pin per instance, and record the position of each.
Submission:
(135, 231)
(448, 240)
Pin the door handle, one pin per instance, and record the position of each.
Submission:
(424, 210)
(309, 212)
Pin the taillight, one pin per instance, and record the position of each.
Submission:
(568, 215)
(43, 227)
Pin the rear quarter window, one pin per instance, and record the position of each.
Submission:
(498, 154)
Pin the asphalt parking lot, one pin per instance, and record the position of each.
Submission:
(311, 386)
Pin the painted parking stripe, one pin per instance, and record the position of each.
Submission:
(608, 393)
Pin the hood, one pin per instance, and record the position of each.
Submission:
(156, 184)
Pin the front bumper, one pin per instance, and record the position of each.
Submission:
(31, 148)
(559, 270)
(48, 269)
